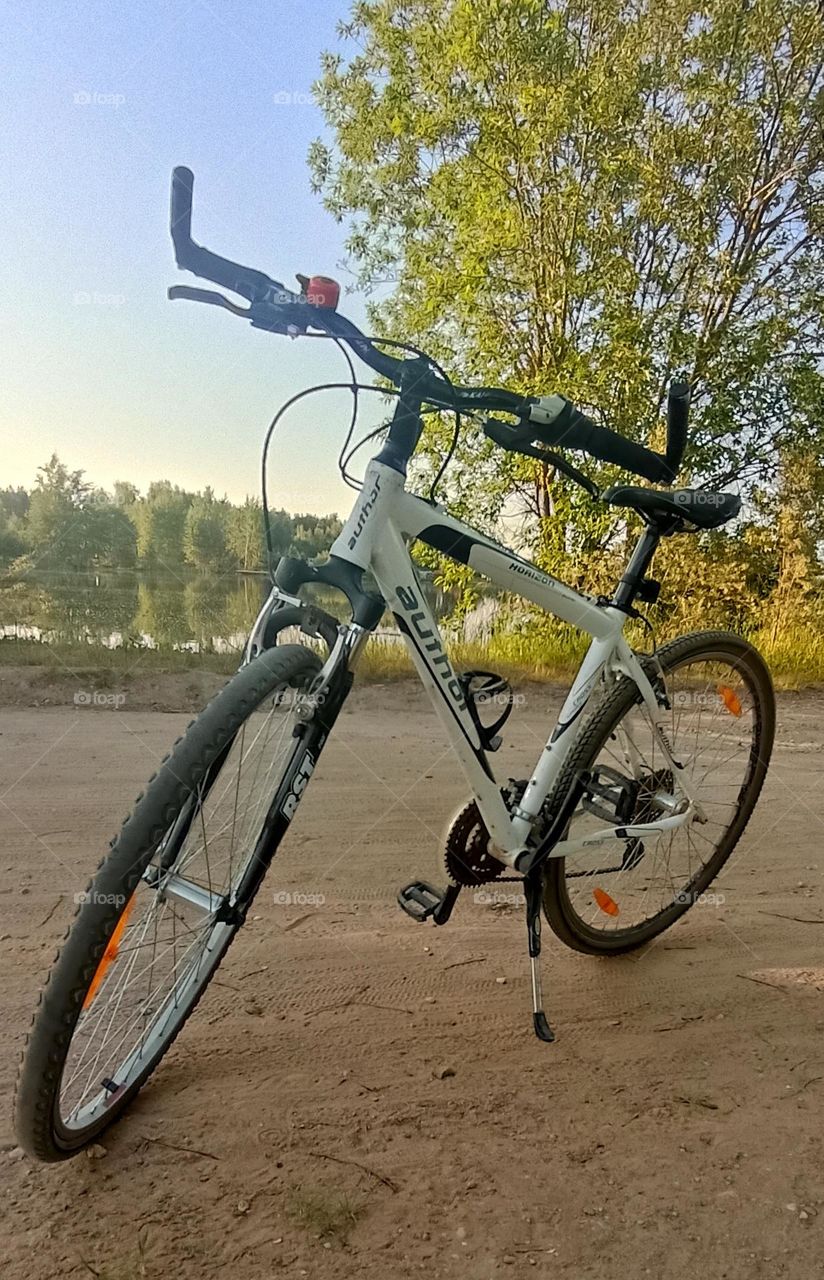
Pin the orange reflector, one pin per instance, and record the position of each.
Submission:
(110, 954)
(607, 904)
(730, 699)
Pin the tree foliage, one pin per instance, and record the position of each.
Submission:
(590, 197)
(204, 534)
(70, 525)
(65, 523)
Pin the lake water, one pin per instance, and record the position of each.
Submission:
(192, 611)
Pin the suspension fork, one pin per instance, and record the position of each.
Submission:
(277, 612)
(315, 717)
(171, 844)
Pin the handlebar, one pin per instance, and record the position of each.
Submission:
(250, 284)
(279, 310)
(678, 412)
(562, 425)
(552, 419)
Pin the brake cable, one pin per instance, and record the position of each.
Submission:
(355, 387)
(300, 395)
(430, 360)
(347, 479)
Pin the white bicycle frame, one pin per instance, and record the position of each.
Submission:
(375, 536)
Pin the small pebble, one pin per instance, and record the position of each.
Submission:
(443, 1073)
(501, 982)
(96, 1151)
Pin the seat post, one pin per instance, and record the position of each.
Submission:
(635, 572)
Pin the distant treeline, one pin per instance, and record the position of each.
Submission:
(66, 523)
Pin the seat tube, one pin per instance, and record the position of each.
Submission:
(634, 574)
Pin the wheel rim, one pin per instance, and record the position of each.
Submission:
(714, 726)
(168, 938)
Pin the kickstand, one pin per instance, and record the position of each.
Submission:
(534, 889)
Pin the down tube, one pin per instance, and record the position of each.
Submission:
(399, 586)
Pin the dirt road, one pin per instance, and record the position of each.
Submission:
(307, 1124)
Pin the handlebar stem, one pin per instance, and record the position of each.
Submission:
(407, 424)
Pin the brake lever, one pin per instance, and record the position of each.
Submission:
(517, 441)
(190, 294)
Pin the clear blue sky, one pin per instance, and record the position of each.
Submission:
(96, 364)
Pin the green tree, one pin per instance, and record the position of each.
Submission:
(204, 536)
(11, 542)
(160, 519)
(244, 535)
(312, 536)
(61, 518)
(126, 494)
(587, 197)
(114, 537)
(797, 509)
(70, 525)
(14, 506)
(14, 503)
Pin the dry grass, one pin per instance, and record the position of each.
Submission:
(795, 657)
(327, 1214)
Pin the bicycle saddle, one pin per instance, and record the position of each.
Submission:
(699, 507)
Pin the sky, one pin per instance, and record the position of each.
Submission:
(100, 100)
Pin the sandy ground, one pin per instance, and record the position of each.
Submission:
(299, 1126)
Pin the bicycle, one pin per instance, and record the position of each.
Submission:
(658, 757)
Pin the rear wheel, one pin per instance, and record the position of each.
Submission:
(161, 911)
(620, 894)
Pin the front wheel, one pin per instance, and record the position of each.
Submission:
(163, 908)
(720, 724)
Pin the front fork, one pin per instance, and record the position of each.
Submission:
(315, 714)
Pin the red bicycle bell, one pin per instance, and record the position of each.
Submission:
(323, 292)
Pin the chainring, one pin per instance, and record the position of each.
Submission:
(466, 856)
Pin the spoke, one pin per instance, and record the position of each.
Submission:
(717, 757)
(162, 958)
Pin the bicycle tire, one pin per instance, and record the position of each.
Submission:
(563, 918)
(40, 1129)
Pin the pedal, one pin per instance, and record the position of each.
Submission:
(610, 795)
(420, 900)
